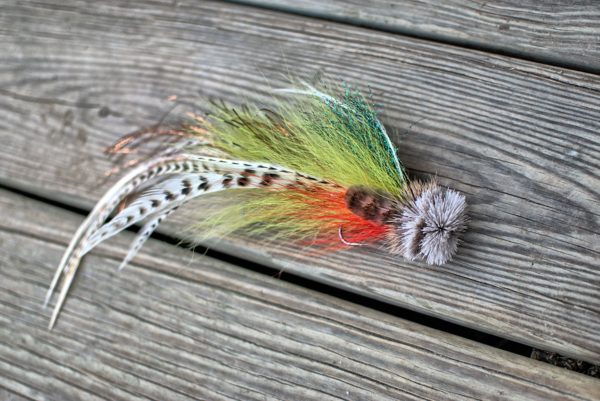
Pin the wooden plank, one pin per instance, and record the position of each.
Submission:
(561, 33)
(182, 326)
(520, 139)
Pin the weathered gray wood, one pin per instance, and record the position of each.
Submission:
(564, 33)
(520, 139)
(182, 326)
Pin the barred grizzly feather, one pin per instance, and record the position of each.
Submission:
(315, 167)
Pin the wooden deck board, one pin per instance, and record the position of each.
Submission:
(562, 33)
(520, 139)
(177, 326)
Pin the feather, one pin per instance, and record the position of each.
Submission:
(322, 169)
(204, 175)
(144, 233)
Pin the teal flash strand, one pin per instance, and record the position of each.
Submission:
(359, 116)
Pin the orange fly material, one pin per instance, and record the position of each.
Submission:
(328, 208)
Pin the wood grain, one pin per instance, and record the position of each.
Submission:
(177, 326)
(519, 139)
(564, 33)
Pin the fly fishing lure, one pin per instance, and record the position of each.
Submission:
(321, 167)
